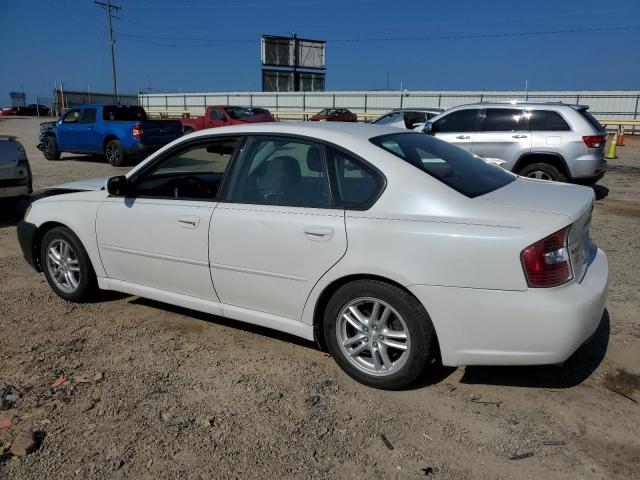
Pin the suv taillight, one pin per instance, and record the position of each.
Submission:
(546, 263)
(594, 141)
(138, 131)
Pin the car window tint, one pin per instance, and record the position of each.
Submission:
(504, 120)
(411, 118)
(123, 113)
(356, 185)
(72, 116)
(281, 171)
(547, 120)
(216, 114)
(192, 173)
(459, 121)
(89, 115)
(451, 165)
(390, 118)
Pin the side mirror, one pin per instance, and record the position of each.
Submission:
(119, 186)
(416, 125)
(428, 128)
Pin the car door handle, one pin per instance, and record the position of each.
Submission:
(318, 234)
(189, 221)
(519, 135)
(463, 137)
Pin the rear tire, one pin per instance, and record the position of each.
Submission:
(543, 171)
(393, 340)
(50, 149)
(115, 153)
(67, 266)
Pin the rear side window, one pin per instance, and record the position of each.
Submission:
(451, 165)
(356, 186)
(547, 121)
(592, 120)
(460, 121)
(503, 120)
(123, 113)
(89, 115)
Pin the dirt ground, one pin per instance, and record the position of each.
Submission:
(189, 395)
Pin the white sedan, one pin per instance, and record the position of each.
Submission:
(388, 248)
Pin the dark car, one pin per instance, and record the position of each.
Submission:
(334, 115)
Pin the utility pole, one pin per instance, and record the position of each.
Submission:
(109, 8)
(296, 83)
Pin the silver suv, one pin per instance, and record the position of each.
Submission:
(551, 141)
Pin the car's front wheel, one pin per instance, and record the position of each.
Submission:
(378, 333)
(50, 149)
(66, 265)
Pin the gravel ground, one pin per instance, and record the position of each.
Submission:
(180, 394)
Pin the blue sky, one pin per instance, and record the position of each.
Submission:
(176, 44)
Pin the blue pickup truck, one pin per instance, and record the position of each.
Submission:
(119, 132)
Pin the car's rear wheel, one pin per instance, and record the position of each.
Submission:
(543, 171)
(378, 333)
(66, 265)
(115, 153)
(50, 149)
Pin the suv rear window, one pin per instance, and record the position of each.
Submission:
(547, 121)
(123, 113)
(592, 120)
(453, 166)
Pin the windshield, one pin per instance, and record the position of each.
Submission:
(453, 166)
(238, 113)
(123, 113)
(328, 111)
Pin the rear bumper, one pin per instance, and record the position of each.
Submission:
(534, 327)
(588, 168)
(27, 239)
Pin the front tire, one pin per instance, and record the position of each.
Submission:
(115, 153)
(50, 149)
(67, 266)
(543, 171)
(379, 334)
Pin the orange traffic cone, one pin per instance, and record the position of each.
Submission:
(620, 142)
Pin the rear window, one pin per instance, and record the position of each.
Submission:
(123, 113)
(238, 113)
(453, 166)
(547, 121)
(592, 120)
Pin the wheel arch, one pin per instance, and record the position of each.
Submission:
(334, 285)
(37, 240)
(552, 158)
(107, 139)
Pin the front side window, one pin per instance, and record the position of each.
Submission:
(217, 114)
(504, 120)
(453, 166)
(72, 116)
(193, 173)
(459, 121)
(411, 118)
(281, 171)
(547, 121)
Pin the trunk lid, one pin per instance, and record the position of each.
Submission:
(160, 132)
(572, 201)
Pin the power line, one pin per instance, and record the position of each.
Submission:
(253, 5)
(219, 42)
(109, 9)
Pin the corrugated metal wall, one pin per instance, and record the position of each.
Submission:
(619, 104)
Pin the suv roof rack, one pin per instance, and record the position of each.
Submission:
(576, 106)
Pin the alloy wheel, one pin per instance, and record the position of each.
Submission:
(63, 265)
(373, 336)
(540, 175)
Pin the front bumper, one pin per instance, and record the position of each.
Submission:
(538, 326)
(27, 238)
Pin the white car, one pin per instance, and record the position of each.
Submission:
(388, 247)
(15, 172)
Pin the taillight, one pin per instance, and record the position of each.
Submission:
(546, 263)
(138, 131)
(594, 141)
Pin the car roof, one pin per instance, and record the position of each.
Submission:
(419, 109)
(334, 132)
(517, 103)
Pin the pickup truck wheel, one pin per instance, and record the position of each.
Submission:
(66, 265)
(114, 153)
(50, 149)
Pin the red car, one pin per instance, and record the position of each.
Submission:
(222, 115)
(334, 115)
(5, 112)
